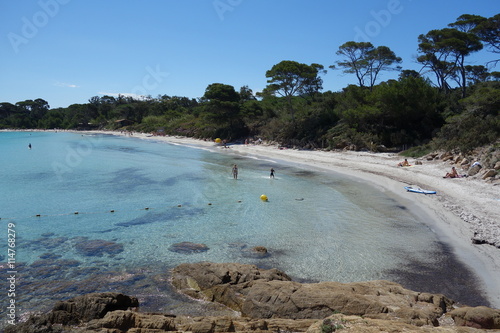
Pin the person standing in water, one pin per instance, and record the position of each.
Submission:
(29, 146)
(235, 171)
(272, 173)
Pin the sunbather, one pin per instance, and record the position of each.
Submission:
(452, 174)
(404, 163)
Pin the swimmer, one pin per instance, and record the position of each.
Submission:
(272, 173)
(235, 171)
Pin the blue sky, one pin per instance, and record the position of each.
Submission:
(66, 51)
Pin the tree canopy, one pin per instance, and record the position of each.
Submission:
(449, 103)
(290, 78)
(366, 61)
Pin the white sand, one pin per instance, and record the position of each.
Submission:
(461, 206)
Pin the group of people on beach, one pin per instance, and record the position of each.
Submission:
(452, 174)
(235, 172)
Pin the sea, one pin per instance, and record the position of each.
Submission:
(86, 212)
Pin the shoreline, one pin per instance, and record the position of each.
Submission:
(460, 208)
(453, 213)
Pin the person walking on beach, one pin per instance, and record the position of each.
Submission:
(235, 171)
(272, 173)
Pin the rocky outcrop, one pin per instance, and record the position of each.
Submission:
(142, 322)
(76, 311)
(357, 324)
(260, 293)
(478, 317)
(269, 302)
(482, 163)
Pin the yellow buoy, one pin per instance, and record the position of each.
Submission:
(263, 197)
(218, 140)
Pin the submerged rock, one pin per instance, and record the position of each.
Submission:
(98, 247)
(257, 252)
(188, 248)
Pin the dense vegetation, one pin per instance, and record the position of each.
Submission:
(458, 111)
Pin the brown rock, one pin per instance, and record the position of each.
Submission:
(477, 317)
(92, 306)
(375, 306)
(270, 294)
(489, 173)
(79, 310)
(356, 324)
(128, 321)
(188, 247)
(213, 281)
(446, 156)
(260, 249)
(431, 156)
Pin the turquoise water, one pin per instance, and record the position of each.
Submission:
(136, 198)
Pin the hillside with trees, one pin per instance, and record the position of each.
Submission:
(449, 104)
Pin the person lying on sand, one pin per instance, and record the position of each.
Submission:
(452, 174)
(404, 163)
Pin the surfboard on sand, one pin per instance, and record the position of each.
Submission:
(418, 190)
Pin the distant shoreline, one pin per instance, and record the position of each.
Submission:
(460, 207)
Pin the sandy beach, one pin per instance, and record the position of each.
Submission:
(460, 208)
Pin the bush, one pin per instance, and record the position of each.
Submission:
(417, 151)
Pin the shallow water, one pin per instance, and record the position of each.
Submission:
(135, 199)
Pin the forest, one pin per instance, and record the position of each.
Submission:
(448, 104)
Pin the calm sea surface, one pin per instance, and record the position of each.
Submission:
(112, 208)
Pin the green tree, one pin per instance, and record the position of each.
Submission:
(476, 74)
(477, 125)
(489, 32)
(366, 61)
(246, 94)
(467, 22)
(54, 118)
(411, 111)
(221, 108)
(444, 52)
(7, 109)
(290, 78)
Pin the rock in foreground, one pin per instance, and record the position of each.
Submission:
(258, 293)
(269, 302)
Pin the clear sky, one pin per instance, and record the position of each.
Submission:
(66, 51)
